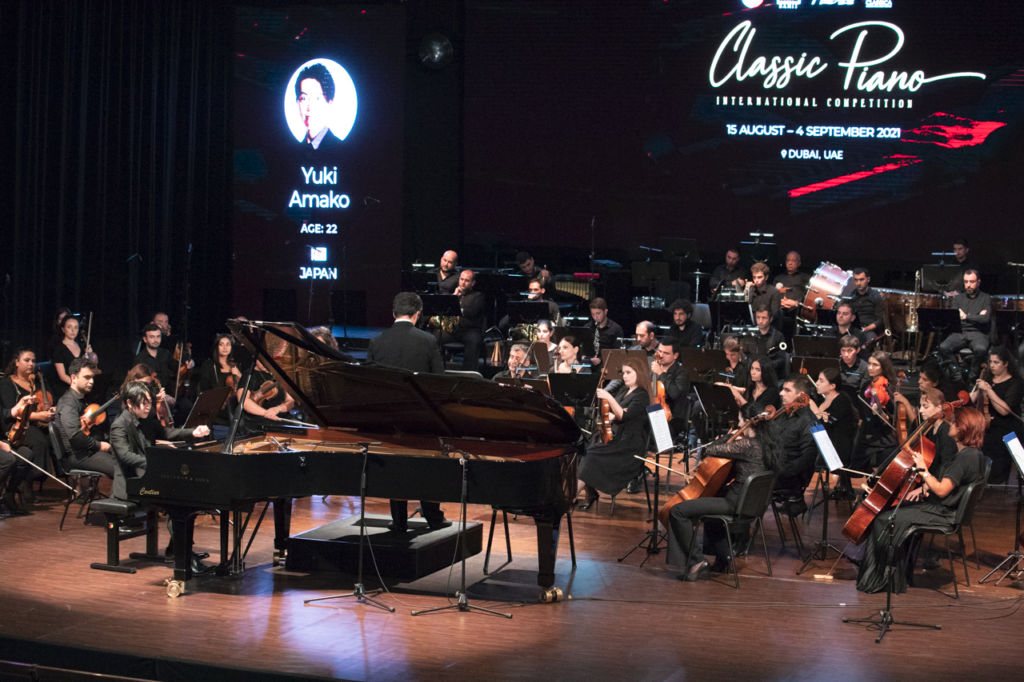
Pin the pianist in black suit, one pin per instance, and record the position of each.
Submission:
(406, 347)
(129, 443)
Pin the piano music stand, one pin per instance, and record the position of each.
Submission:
(358, 591)
(462, 600)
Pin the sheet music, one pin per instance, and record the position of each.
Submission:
(659, 427)
(826, 448)
(1016, 450)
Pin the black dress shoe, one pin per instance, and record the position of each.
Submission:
(721, 565)
(590, 500)
(398, 528)
(438, 524)
(199, 568)
(633, 486)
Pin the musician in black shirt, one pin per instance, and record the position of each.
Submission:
(448, 273)
(685, 332)
(867, 304)
(156, 358)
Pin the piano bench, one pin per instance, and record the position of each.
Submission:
(125, 520)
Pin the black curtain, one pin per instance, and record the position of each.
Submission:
(119, 154)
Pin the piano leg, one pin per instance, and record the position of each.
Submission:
(282, 527)
(547, 551)
(182, 523)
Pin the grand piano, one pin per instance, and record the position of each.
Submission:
(521, 449)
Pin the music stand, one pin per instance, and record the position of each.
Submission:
(938, 278)
(828, 461)
(814, 366)
(539, 352)
(700, 363)
(539, 385)
(648, 275)
(584, 337)
(527, 312)
(1013, 560)
(717, 404)
(441, 304)
(207, 406)
(730, 312)
(941, 321)
(574, 389)
(885, 619)
(816, 346)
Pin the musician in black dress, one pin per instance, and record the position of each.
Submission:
(934, 500)
(1002, 390)
(406, 347)
(760, 391)
(17, 391)
(877, 408)
(931, 406)
(544, 329)
(64, 353)
(834, 408)
(221, 369)
(81, 450)
(609, 467)
(747, 458)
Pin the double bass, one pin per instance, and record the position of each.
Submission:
(898, 476)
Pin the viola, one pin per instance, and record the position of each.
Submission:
(604, 421)
(267, 390)
(163, 408)
(16, 435)
(662, 399)
(897, 478)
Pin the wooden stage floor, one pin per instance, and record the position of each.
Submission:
(619, 620)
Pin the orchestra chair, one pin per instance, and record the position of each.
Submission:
(508, 539)
(755, 496)
(792, 505)
(964, 515)
(125, 520)
(74, 478)
(647, 492)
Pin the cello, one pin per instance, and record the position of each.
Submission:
(898, 476)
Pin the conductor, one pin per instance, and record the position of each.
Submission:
(406, 347)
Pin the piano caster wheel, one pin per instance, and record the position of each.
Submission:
(175, 588)
(551, 594)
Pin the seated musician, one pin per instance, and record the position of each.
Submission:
(81, 450)
(609, 467)
(156, 358)
(846, 320)
(853, 368)
(931, 375)
(221, 369)
(999, 391)
(791, 451)
(835, 409)
(736, 367)
(770, 340)
(945, 447)
(760, 292)
(128, 442)
(265, 401)
(728, 275)
(747, 457)
(933, 499)
(666, 368)
(324, 335)
(975, 308)
(517, 361)
(607, 331)
(12, 473)
(448, 273)
(962, 255)
(470, 329)
(760, 391)
(877, 437)
(868, 305)
(568, 358)
(792, 283)
(18, 394)
(544, 329)
(686, 332)
(405, 347)
(646, 338)
(538, 292)
(167, 340)
(527, 266)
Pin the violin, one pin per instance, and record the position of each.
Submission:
(16, 435)
(267, 390)
(163, 408)
(982, 399)
(898, 476)
(183, 356)
(94, 414)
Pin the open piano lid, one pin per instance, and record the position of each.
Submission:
(334, 392)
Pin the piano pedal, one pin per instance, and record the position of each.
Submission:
(175, 588)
